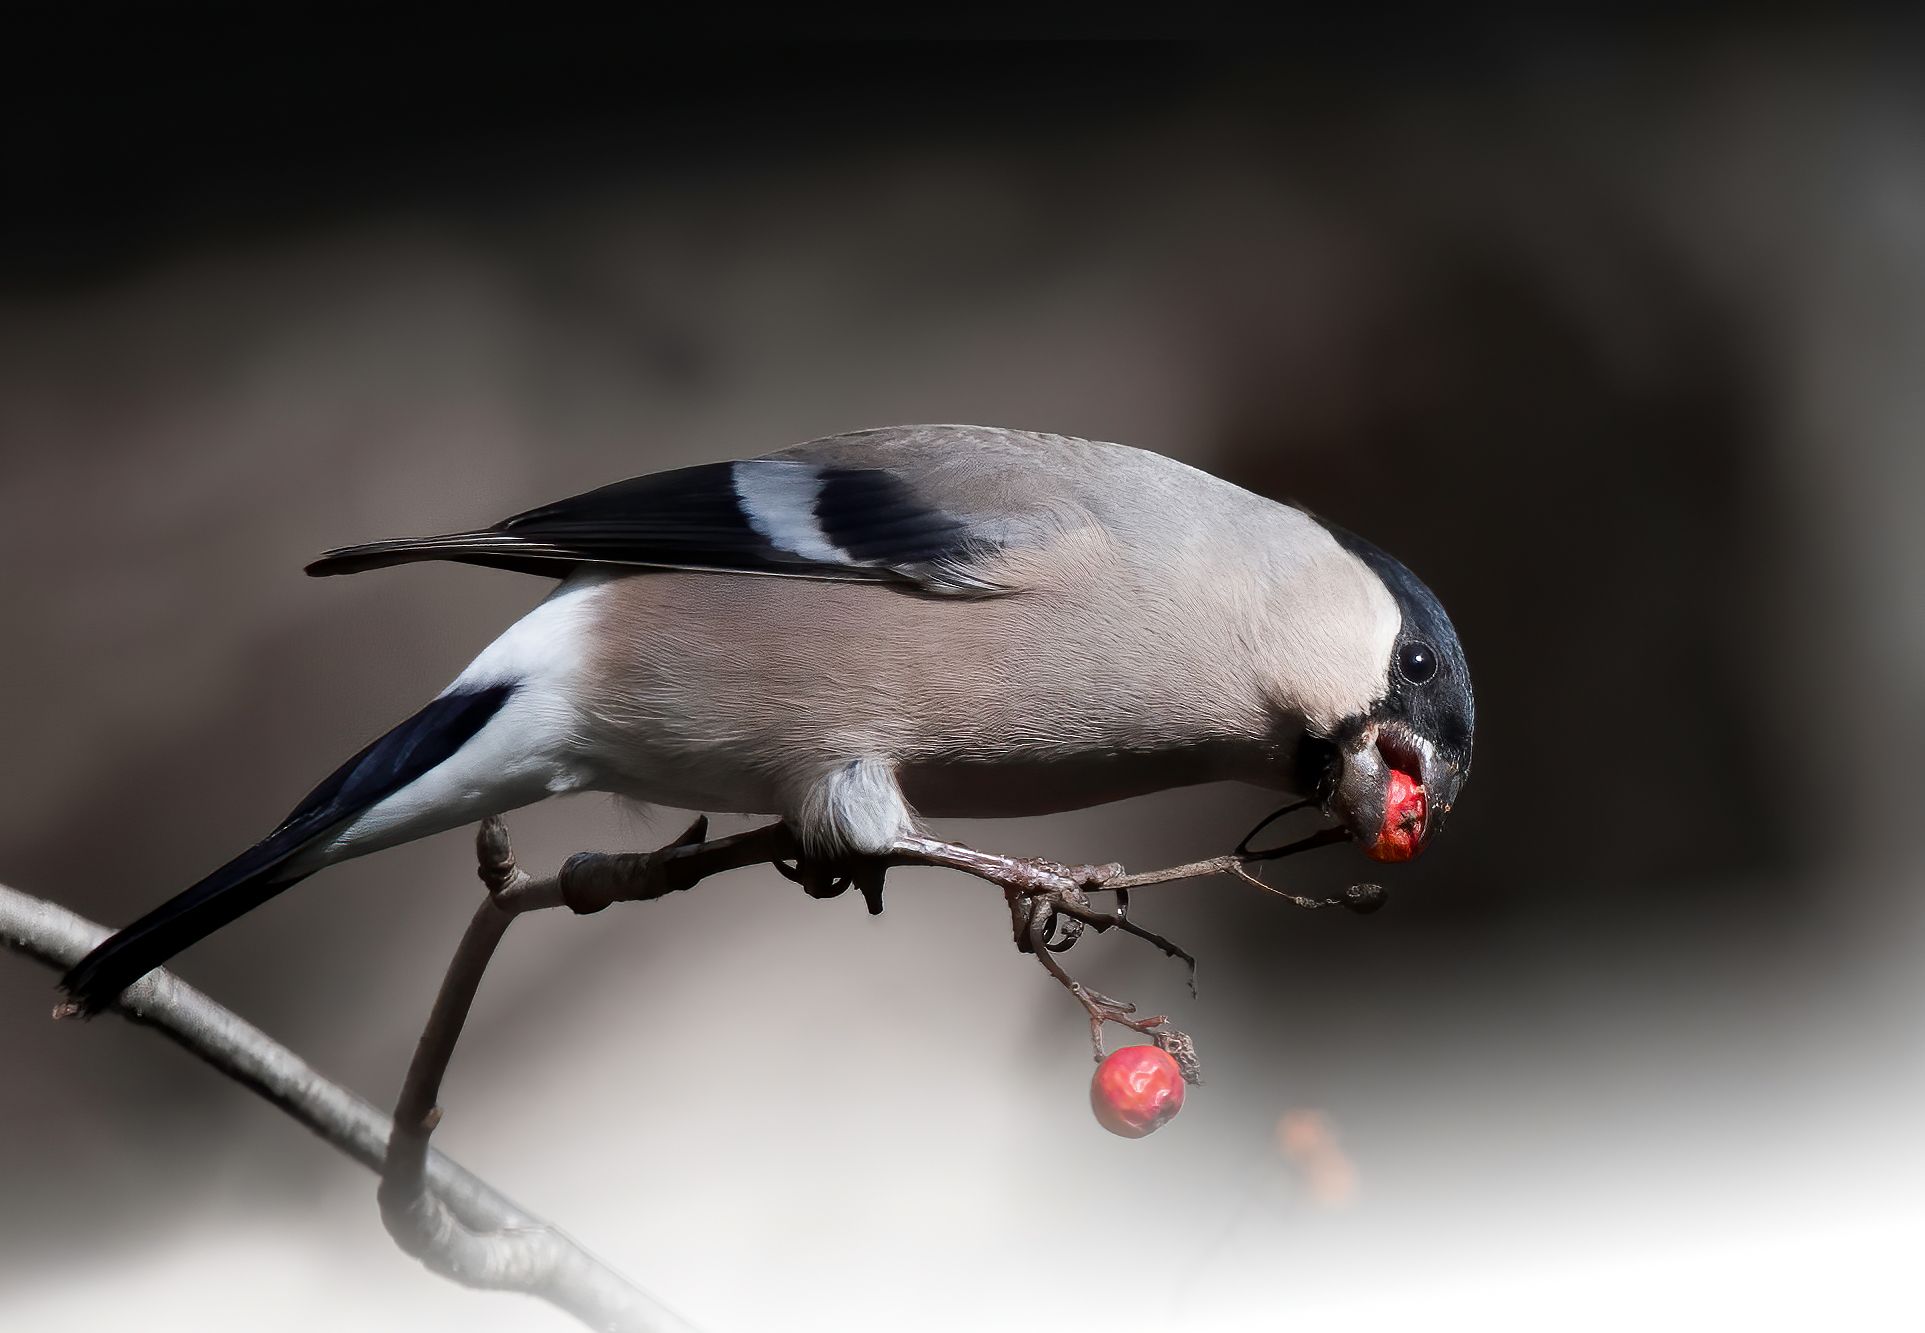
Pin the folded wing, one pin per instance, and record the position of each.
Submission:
(777, 516)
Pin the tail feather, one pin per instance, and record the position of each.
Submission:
(257, 874)
(237, 888)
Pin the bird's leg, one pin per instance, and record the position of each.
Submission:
(1025, 881)
(1065, 889)
(1021, 878)
(1025, 875)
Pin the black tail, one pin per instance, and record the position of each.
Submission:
(260, 872)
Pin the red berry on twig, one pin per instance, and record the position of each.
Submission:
(1136, 1091)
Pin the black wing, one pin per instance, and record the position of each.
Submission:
(760, 516)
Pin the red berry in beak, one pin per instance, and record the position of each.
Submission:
(1136, 1091)
(1405, 810)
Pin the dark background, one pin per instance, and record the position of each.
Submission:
(1611, 332)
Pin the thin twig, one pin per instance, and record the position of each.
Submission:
(524, 1258)
(534, 1259)
(1360, 898)
(1216, 865)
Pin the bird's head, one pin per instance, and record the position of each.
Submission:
(1390, 773)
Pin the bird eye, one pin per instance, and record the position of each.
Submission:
(1417, 662)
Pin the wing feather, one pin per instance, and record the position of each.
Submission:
(777, 516)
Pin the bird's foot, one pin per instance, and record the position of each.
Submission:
(830, 879)
(1019, 874)
(1023, 877)
(1060, 892)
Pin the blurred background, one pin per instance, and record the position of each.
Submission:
(1613, 334)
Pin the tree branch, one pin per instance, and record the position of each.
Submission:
(533, 1258)
(573, 1280)
(464, 1229)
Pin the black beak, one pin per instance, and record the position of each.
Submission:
(1443, 779)
(1361, 797)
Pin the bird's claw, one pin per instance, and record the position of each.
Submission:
(824, 880)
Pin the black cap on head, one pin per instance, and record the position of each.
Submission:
(1428, 682)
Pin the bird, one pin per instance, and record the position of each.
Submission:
(873, 629)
